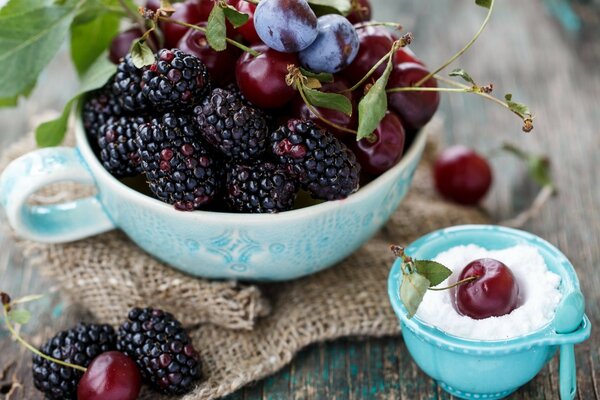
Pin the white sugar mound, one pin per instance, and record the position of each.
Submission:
(538, 288)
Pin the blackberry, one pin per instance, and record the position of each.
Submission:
(262, 187)
(175, 80)
(178, 166)
(161, 348)
(98, 108)
(79, 345)
(118, 146)
(127, 86)
(325, 166)
(233, 126)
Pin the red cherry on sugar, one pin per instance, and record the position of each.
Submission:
(361, 11)
(110, 376)
(381, 152)
(248, 31)
(495, 292)
(220, 64)
(375, 42)
(462, 175)
(300, 110)
(414, 108)
(262, 79)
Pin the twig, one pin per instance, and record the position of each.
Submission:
(538, 203)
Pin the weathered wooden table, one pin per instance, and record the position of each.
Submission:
(524, 50)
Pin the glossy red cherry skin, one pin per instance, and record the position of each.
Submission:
(362, 13)
(405, 54)
(121, 44)
(414, 108)
(220, 64)
(262, 79)
(300, 110)
(462, 175)
(248, 31)
(375, 42)
(110, 376)
(191, 12)
(495, 292)
(381, 152)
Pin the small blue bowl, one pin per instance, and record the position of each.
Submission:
(474, 369)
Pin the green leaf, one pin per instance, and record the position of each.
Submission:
(540, 171)
(27, 299)
(484, 3)
(236, 18)
(28, 41)
(19, 316)
(435, 272)
(15, 7)
(516, 107)
(334, 6)
(333, 101)
(324, 77)
(412, 291)
(373, 105)
(463, 74)
(216, 31)
(141, 54)
(89, 40)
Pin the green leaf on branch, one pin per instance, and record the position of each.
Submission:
(29, 39)
(236, 18)
(484, 3)
(435, 272)
(412, 290)
(331, 6)
(333, 101)
(464, 75)
(19, 316)
(373, 105)
(324, 77)
(518, 108)
(89, 40)
(141, 54)
(216, 31)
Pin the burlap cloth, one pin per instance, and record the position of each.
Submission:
(243, 332)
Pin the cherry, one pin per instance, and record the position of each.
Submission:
(405, 54)
(248, 31)
(153, 5)
(191, 12)
(301, 111)
(111, 375)
(375, 42)
(262, 79)
(462, 175)
(121, 44)
(361, 11)
(384, 149)
(220, 64)
(495, 292)
(415, 108)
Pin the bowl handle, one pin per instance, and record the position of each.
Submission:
(568, 379)
(57, 223)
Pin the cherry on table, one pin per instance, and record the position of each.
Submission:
(494, 292)
(462, 175)
(111, 375)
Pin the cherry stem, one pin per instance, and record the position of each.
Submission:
(18, 337)
(461, 282)
(316, 112)
(407, 264)
(199, 28)
(545, 194)
(134, 15)
(463, 50)
(394, 25)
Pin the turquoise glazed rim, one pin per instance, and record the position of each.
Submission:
(489, 369)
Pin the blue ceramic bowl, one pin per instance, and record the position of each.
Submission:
(473, 369)
(201, 243)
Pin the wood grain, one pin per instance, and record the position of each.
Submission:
(524, 51)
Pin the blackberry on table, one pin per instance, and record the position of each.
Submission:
(261, 187)
(79, 345)
(118, 146)
(127, 86)
(325, 166)
(161, 348)
(179, 168)
(98, 108)
(175, 80)
(232, 125)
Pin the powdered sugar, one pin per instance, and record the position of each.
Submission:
(538, 287)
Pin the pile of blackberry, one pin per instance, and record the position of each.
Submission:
(196, 145)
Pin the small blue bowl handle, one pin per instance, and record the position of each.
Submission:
(56, 223)
(568, 378)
